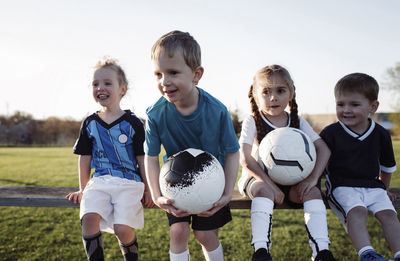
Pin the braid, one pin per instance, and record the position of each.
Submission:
(294, 118)
(257, 116)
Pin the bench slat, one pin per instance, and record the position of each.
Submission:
(33, 196)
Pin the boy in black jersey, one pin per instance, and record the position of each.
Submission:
(361, 165)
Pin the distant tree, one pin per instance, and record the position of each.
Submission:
(237, 124)
(392, 83)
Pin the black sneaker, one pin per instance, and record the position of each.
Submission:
(261, 255)
(324, 255)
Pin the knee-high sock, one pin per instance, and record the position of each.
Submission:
(130, 251)
(261, 222)
(93, 247)
(214, 255)
(316, 225)
(184, 256)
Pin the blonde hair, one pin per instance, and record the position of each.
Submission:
(358, 83)
(112, 64)
(178, 41)
(263, 76)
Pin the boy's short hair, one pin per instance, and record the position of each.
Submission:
(175, 41)
(359, 83)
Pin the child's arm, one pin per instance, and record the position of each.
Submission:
(84, 177)
(251, 165)
(152, 169)
(385, 178)
(230, 170)
(323, 155)
(146, 200)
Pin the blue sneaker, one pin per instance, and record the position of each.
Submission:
(371, 255)
(397, 258)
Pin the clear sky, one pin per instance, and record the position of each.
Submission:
(48, 48)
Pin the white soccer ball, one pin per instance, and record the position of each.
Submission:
(287, 155)
(194, 179)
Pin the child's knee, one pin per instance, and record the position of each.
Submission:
(387, 216)
(179, 232)
(124, 233)
(90, 223)
(206, 237)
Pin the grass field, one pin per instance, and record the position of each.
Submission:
(55, 234)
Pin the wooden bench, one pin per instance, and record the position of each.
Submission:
(55, 197)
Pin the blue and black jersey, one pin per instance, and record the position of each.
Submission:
(114, 146)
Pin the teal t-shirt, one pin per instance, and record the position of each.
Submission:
(208, 128)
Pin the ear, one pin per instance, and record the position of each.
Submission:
(198, 73)
(374, 107)
(124, 89)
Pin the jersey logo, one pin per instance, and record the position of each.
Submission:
(122, 138)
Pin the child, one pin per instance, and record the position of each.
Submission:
(360, 167)
(111, 141)
(271, 92)
(188, 117)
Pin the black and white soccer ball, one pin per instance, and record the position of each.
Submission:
(287, 155)
(194, 179)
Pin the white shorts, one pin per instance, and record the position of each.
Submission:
(116, 200)
(346, 198)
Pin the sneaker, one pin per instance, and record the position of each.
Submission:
(397, 259)
(371, 255)
(324, 255)
(261, 254)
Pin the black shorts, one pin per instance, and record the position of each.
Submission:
(285, 190)
(219, 219)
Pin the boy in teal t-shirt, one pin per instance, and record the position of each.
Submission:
(188, 117)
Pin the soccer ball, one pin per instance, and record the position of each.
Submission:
(287, 155)
(194, 179)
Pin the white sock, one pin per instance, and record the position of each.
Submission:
(214, 255)
(261, 222)
(184, 256)
(366, 248)
(317, 225)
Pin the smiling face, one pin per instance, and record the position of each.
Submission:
(272, 96)
(353, 110)
(176, 81)
(106, 88)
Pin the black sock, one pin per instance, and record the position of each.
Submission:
(130, 251)
(94, 247)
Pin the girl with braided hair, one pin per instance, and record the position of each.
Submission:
(271, 92)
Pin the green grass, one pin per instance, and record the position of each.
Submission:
(55, 233)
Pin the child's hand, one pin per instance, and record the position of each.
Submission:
(304, 187)
(391, 196)
(279, 196)
(224, 200)
(147, 201)
(75, 197)
(166, 204)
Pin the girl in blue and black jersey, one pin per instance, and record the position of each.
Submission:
(111, 143)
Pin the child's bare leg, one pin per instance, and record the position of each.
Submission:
(128, 243)
(391, 228)
(179, 238)
(357, 227)
(124, 233)
(90, 224)
(91, 236)
(209, 241)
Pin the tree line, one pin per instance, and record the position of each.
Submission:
(21, 129)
